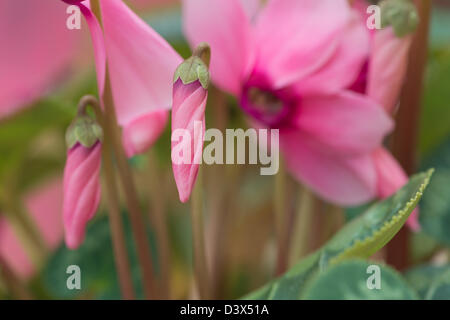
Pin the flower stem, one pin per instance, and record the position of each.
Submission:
(158, 219)
(302, 225)
(136, 217)
(281, 219)
(116, 224)
(200, 264)
(407, 122)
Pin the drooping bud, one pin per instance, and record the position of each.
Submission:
(81, 174)
(81, 191)
(401, 15)
(190, 94)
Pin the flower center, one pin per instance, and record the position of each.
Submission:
(270, 107)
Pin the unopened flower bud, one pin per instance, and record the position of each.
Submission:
(401, 15)
(81, 177)
(188, 115)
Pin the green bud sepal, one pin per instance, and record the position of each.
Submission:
(195, 68)
(84, 130)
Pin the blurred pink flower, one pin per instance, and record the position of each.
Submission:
(44, 204)
(386, 64)
(141, 66)
(188, 111)
(381, 79)
(36, 52)
(81, 191)
(291, 63)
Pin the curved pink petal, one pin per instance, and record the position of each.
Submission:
(140, 134)
(141, 63)
(99, 46)
(81, 191)
(44, 204)
(387, 67)
(390, 178)
(188, 113)
(295, 37)
(36, 50)
(344, 180)
(347, 123)
(344, 66)
(225, 26)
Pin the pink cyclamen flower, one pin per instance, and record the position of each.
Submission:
(381, 79)
(291, 64)
(140, 65)
(188, 118)
(36, 52)
(44, 205)
(81, 191)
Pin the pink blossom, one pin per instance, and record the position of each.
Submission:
(140, 65)
(44, 205)
(291, 64)
(81, 191)
(381, 79)
(36, 52)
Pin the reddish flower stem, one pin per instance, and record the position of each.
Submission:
(115, 220)
(407, 129)
(138, 224)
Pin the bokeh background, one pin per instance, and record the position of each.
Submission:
(32, 156)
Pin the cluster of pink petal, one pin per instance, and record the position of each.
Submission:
(309, 54)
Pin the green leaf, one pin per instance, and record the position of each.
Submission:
(96, 261)
(435, 207)
(440, 288)
(434, 125)
(431, 282)
(349, 281)
(360, 238)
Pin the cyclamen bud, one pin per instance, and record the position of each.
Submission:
(401, 15)
(81, 178)
(190, 94)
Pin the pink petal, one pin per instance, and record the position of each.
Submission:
(251, 7)
(141, 63)
(344, 180)
(99, 46)
(189, 103)
(140, 134)
(295, 37)
(225, 26)
(391, 178)
(387, 68)
(344, 66)
(81, 191)
(36, 50)
(348, 123)
(44, 204)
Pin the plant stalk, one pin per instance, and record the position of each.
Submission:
(198, 237)
(136, 217)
